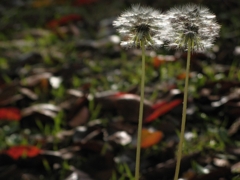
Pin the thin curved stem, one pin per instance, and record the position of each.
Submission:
(184, 112)
(140, 120)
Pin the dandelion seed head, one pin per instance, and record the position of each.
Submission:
(140, 24)
(194, 23)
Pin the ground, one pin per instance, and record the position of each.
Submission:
(69, 96)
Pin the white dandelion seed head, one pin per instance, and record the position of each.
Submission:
(191, 22)
(140, 24)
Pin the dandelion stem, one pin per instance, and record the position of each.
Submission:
(140, 120)
(184, 112)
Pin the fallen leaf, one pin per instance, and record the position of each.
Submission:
(189, 174)
(167, 168)
(160, 60)
(236, 168)
(77, 174)
(28, 93)
(150, 138)
(45, 113)
(221, 162)
(33, 80)
(128, 107)
(234, 128)
(10, 114)
(63, 20)
(162, 109)
(182, 76)
(80, 117)
(78, 110)
(10, 94)
(17, 152)
(41, 108)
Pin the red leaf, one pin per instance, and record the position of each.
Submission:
(17, 152)
(10, 114)
(52, 24)
(159, 104)
(63, 20)
(69, 18)
(162, 109)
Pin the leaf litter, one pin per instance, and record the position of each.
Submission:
(69, 100)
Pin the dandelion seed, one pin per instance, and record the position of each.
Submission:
(192, 22)
(140, 24)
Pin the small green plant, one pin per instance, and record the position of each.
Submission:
(214, 138)
(59, 92)
(46, 165)
(233, 69)
(124, 171)
(94, 108)
(45, 129)
(58, 122)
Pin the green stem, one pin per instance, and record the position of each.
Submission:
(184, 112)
(140, 120)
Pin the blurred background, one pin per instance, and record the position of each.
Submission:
(69, 95)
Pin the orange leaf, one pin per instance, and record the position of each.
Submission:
(17, 152)
(162, 109)
(10, 114)
(159, 104)
(160, 59)
(44, 84)
(158, 62)
(181, 76)
(150, 138)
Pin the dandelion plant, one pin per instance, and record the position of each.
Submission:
(192, 28)
(140, 27)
